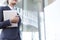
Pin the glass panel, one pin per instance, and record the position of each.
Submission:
(30, 15)
(30, 20)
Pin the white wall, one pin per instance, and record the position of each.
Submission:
(52, 20)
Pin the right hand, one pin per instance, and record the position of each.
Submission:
(14, 19)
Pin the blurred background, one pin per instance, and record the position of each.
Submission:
(40, 19)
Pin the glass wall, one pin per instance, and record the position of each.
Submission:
(30, 20)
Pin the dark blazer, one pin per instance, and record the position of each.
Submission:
(10, 33)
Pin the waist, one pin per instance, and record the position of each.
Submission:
(10, 33)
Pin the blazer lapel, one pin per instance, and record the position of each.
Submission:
(6, 8)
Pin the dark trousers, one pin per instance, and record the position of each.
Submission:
(11, 39)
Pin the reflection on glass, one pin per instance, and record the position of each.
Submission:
(30, 15)
(30, 20)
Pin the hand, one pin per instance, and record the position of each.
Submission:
(14, 19)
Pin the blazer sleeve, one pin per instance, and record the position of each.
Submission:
(6, 23)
